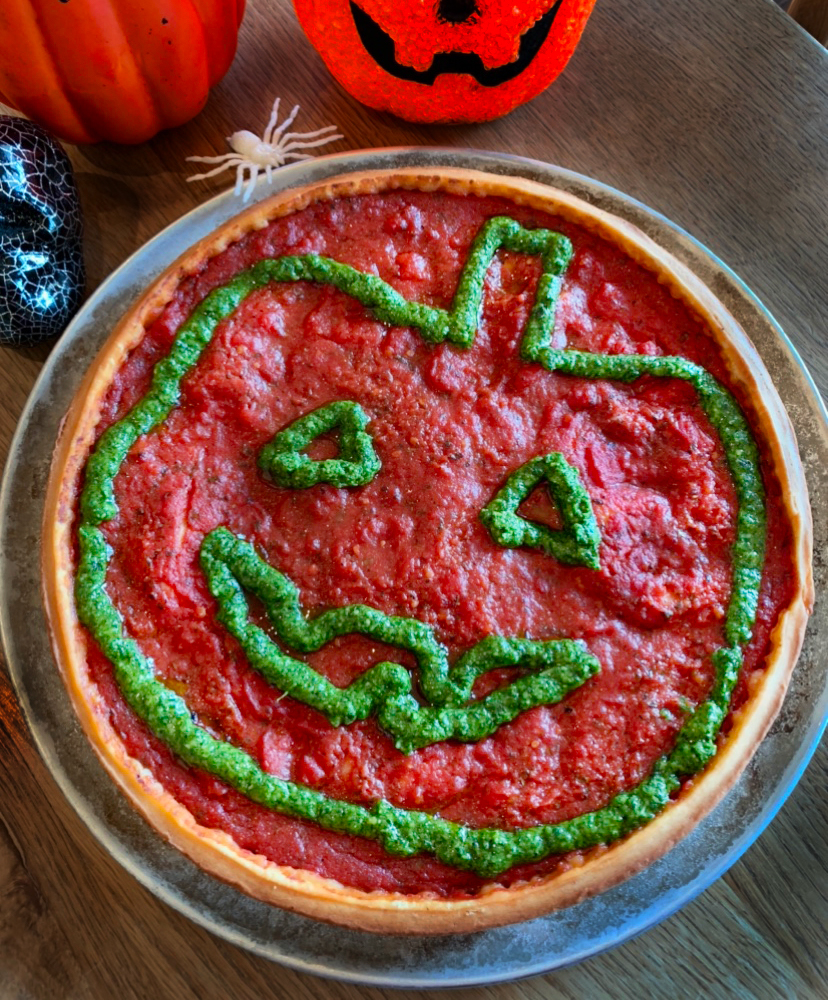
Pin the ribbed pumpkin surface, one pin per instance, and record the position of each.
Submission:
(118, 70)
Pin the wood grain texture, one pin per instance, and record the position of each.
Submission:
(715, 115)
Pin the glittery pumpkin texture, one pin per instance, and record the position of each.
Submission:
(41, 258)
(444, 61)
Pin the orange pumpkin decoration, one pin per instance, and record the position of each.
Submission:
(444, 60)
(120, 70)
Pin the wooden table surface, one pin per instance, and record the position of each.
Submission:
(716, 115)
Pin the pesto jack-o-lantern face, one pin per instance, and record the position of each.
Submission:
(453, 60)
(424, 543)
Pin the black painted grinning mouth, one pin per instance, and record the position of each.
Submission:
(380, 46)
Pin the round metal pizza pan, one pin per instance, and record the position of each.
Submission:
(491, 956)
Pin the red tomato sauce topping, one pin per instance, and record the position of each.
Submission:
(449, 426)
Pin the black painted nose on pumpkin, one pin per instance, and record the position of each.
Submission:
(457, 11)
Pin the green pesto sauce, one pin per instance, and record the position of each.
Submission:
(556, 667)
(560, 665)
(283, 459)
(577, 543)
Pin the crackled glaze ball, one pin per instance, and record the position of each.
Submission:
(41, 255)
(444, 60)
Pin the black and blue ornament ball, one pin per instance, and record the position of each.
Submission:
(41, 253)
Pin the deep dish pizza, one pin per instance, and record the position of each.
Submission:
(426, 550)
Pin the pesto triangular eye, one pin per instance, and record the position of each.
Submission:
(576, 543)
(284, 460)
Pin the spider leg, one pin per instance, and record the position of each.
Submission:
(211, 159)
(228, 165)
(267, 137)
(292, 136)
(240, 176)
(285, 125)
(251, 184)
(301, 144)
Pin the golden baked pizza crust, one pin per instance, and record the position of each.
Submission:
(586, 873)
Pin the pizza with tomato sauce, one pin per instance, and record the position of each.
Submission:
(425, 551)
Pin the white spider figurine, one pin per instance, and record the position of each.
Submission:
(252, 155)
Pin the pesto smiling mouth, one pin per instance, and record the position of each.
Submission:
(380, 46)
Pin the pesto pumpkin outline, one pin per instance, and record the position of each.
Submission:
(487, 852)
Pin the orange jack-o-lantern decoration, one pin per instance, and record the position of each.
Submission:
(444, 60)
